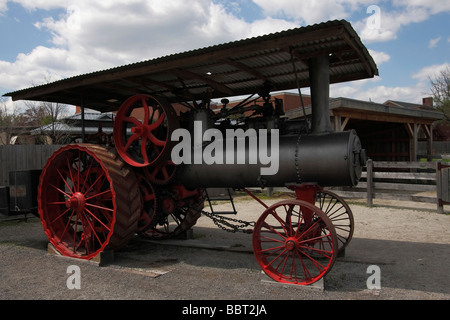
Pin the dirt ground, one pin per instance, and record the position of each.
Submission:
(409, 243)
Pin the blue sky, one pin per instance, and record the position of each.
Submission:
(44, 40)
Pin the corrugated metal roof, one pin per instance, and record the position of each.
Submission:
(230, 69)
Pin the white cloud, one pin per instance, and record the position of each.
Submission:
(435, 6)
(433, 42)
(95, 35)
(391, 22)
(393, 15)
(6, 104)
(380, 93)
(3, 6)
(370, 90)
(306, 11)
(424, 74)
(379, 57)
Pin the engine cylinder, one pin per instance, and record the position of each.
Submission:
(326, 159)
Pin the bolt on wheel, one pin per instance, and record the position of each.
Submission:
(295, 242)
(88, 201)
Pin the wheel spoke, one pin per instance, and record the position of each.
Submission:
(65, 182)
(98, 220)
(69, 169)
(64, 193)
(146, 111)
(61, 215)
(99, 207)
(98, 195)
(156, 141)
(157, 123)
(132, 120)
(130, 141)
(144, 149)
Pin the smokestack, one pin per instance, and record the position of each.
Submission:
(319, 74)
(428, 102)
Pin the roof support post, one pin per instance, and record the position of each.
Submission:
(319, 74)
(83, 131)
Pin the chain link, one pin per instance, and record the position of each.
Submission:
(226, 223)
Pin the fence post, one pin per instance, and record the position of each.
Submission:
(369, 165)
(440, 205)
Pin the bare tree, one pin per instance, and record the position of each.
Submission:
(440, 89)
(11, 123)
(48, 114)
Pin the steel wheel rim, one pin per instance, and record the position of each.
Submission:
(142, 142)
(340, 214)
(76, 203)
(292, 248)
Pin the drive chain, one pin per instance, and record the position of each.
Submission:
(228, 224)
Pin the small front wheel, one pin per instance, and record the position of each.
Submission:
(295, 242)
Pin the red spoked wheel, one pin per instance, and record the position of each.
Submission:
(295, 242)
(161, 173)
(340, 215)
(142, 130)
(179, 211)
(88, 201)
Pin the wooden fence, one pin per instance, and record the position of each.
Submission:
(23, 157)
(404, 181)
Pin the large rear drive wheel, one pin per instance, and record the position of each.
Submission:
(88, 201)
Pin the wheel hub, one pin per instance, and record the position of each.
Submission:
(138, 130)
(77, 202)
(291, 244)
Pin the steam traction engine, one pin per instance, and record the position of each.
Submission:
(94, 198)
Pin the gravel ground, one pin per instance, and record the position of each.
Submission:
(409, 245)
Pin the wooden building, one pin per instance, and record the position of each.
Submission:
(389, 131)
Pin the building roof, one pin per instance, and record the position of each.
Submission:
(407, 105)
(403, 112)
(225, 70)
(72, 124)
(91, 116)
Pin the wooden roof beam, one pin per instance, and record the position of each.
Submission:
(187, 75)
